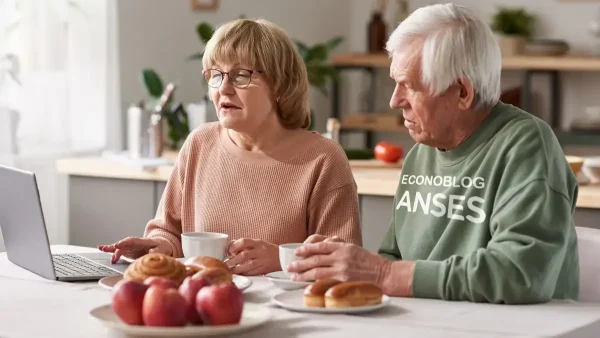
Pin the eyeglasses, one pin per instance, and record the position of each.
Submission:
(240, 78)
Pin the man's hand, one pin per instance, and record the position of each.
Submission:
(341, 261)
(320, 238)
(348, 262)
(252, 257)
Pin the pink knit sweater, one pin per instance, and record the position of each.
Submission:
(282, 197)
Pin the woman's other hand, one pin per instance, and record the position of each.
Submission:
(316, 238)
(135, 247)
(253, 257)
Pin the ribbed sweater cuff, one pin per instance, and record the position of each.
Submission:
(427, 279)
(168, 237)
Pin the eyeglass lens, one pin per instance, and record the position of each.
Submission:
(238, 77)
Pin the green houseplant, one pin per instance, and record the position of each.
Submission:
(175, 114)
(514, 27)
(320, 72)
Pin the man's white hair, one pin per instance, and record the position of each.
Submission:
(456, 43)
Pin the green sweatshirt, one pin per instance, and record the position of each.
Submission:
(492, 220)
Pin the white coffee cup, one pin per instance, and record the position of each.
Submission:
(212, 244)
(287, 255)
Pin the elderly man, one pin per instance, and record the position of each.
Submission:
(484, 207)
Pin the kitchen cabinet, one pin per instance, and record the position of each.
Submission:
(105, 210)
(159, 188)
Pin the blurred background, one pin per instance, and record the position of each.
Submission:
(70, 71)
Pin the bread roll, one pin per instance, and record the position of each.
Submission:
(155, 264)
(352, 294)
(314, 294)
(192, 269)
(206, 262)
(216, 275)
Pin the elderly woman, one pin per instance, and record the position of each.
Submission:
(257, 174)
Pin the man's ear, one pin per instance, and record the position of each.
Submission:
(466, 93)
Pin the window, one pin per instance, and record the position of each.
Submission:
(59, 48)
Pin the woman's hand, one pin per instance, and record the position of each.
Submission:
(316, 238)
(134, 247)
(252, 257)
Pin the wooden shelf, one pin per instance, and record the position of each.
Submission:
(361, 60)
(373, 122)
(521, 62)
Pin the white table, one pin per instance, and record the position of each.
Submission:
(31, 306)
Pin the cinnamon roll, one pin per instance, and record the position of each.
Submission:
(156, 264)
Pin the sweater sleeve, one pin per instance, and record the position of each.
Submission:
(522, 261)
(166, 225)
(335, 213)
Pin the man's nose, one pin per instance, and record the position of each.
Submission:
(398, 99)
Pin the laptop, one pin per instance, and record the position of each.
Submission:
(26, 238)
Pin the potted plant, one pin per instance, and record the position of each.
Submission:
(174, 113)
(514, 27)
(316, 59)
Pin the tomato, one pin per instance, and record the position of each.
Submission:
(388, 152)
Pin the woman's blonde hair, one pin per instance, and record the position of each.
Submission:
(266, 47)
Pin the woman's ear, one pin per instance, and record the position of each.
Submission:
(466, 93)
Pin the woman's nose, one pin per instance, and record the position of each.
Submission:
(226, 87)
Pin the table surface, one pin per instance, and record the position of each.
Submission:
(31, 306)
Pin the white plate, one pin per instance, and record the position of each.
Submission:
(282, 281)
(252, 316)
(294, 301)
(110, 281)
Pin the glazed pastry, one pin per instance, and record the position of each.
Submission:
(352, 294)
(156, 264)
(205, 262)
(314, 294)
(216, 275)
(192, 269)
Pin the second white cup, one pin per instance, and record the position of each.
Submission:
(287, 255)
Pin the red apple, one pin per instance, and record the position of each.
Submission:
(189, 289)
(162, 282)
(220, 304)
(164, 307)
(127, 300)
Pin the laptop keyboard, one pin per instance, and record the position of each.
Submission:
(67, 265)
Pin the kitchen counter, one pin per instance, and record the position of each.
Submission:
(129, 198)
(376, 182)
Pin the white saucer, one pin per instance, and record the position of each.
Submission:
(294, 301)
(282, 281)
(109, 282)
(252, 316)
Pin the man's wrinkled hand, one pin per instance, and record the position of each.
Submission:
(341, 261)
